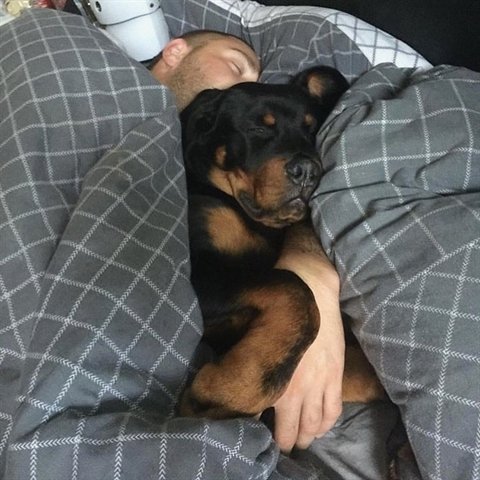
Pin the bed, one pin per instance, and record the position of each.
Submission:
(100, 329)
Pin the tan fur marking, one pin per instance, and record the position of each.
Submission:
(229, 234)
(267, 186)
(270, 183)
(271, 337)
(269, 119)
(231, 182)
(262, 193)
(360, 383)
(214, 382)
(315, 86)
(220, 178)
(220, 156)
(309, 120)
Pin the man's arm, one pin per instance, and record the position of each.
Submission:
(313, 400)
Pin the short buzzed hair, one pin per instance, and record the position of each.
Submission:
(197, 39)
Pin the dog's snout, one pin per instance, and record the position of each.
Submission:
(302, 170)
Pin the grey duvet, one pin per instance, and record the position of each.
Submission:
(99, 327)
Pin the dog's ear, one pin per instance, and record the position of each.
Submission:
(199, 121)
(200, 116)
(325, 84)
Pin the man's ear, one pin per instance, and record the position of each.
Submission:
(174, 52)
(325, 84)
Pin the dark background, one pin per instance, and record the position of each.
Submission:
(443, 31)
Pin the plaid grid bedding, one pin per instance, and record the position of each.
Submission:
(99, 326)
(398, 210)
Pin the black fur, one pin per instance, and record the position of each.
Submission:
(252, 165)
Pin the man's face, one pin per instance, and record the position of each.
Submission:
(220, 64)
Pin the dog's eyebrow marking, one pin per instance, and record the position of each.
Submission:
(309, 119)
(315, 86)
(269, 119)
(220, 156)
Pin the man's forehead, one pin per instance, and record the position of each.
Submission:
(235, 44)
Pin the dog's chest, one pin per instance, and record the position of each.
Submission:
(230, 235)
(225, 242)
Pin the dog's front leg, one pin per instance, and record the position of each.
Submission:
(254, 373)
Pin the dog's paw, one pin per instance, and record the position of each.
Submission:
(217, 393)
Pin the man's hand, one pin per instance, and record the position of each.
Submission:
(313, 400)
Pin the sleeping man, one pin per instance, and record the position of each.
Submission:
(313, 400)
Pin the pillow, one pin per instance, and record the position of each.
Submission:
(289, 39)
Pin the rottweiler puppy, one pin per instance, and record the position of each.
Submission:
(251, 167)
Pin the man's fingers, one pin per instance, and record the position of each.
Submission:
(318, 418)
(332, 409)
(298, 423)
(286, 427)
(311, 421)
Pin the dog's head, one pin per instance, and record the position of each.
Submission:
(256, 142)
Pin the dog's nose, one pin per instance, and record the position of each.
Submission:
(302, 170)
